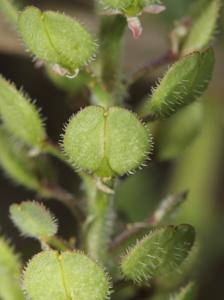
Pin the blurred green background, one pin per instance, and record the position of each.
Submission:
(198, 169)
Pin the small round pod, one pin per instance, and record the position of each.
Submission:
(56, 39)
(107, 143)
(69, 275)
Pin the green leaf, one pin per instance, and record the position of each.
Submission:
(23, 169)
(33, 220)
(56, 39)
(189, 292)
(184, 82)
(203, 28)
(161, 252)
(177, 133)
(106, 142)
(16, 163)
(66, 276)
(9, 273)
(20, 116)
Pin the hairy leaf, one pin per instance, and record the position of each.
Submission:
(9, 273)
(184, 82)
(107, 142)
(66, 276)
(160, 252)
(33, 220)
(20, 116)
(203, 28)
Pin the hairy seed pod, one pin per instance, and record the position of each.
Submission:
(185, 82)
(128, 7)
(159, 253)
(69, 275)
(56, 39)
(106, 142)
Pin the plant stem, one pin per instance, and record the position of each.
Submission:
(99, 94)
(166, 58)
(55, 191)
(99, 221)
(58, 243)
(168, 205)
(53, 149)
(111, 37)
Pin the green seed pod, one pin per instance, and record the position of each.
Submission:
(69, 275)
(160, 252)
(180, 275)
(184, 82)
(20, 116)
(176, 133)
(128, 7)
(10, 270)
(33, 220)
(207, 18)
(56, 39)
(15, 162)
(106, 142)
(116, 4)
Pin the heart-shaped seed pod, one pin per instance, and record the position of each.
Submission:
(65, 276)
(106, 142)
(56, 39)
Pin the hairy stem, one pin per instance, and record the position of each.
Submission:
(99, 221)
(111, 36)
(168, 205)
